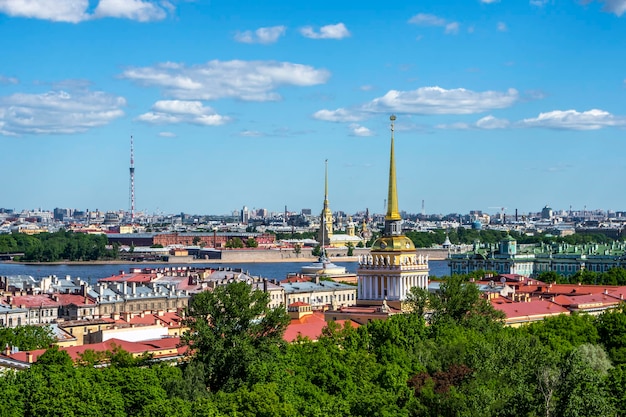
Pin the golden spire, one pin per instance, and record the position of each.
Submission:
(326, 185)
(392, 199)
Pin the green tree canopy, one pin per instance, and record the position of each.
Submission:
(233, 332)
(234, 243)
(26, 337)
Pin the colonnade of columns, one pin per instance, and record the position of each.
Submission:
(373, 287)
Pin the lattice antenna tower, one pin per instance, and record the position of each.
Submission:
(132, 181)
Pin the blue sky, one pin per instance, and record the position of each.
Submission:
(506, 103)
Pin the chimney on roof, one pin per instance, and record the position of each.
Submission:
(29, 357)
(7, 350)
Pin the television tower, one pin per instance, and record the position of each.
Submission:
(132, 181)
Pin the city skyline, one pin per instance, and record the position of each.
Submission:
(499, 104)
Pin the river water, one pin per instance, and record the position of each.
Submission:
(93, 272)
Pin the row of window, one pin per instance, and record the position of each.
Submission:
(324, 299)
(10, 322)
(542, 267)
(144, 307)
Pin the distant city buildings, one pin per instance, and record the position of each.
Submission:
(530, 260)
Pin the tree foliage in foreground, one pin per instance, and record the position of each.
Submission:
(26, 337)
(464, 363)
(233, 333)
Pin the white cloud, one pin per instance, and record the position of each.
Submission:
(58, 111)
(358, 130)
(617, 7)
(179, 111)
(437, 100)
(573, 120)
(489, 1)
(457, 126)
(338, 31)
(250, 133)
(425, 19)
(369, 87)
(452, 28)
(244, 80)
(167, 134)
(261, 35)
(339, 115)
(502, 27)
(8, 80)
(72, 11)
(490, 122)
(140, 10)
(75, 11)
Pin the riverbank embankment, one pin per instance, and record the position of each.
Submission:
(256, 256)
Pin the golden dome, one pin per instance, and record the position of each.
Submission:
(393, 244)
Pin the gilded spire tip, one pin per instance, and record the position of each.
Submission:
(392, 204)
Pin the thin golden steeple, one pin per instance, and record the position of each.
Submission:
(326, 185)
(392, 200)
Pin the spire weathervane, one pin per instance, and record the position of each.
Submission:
(392, 199)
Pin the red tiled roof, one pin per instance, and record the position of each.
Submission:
(528, 289)
(619, 293)
(587, 300)
(132, 277)
(31, 301)
(109, 345)
(76, 299)
(149, 319)
(535, 308)
(299, 304)
(578, 288)
(310, 326)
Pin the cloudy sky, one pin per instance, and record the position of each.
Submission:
(509, 103)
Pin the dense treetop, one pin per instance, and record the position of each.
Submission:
(58, 246)
(465, 363)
